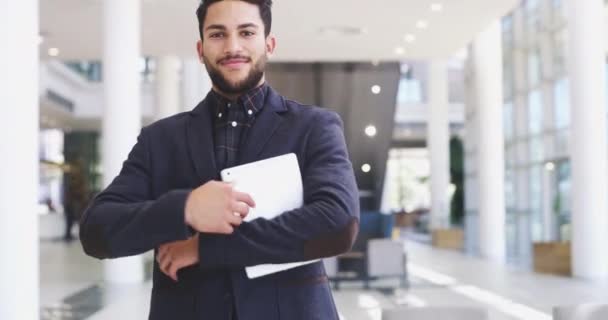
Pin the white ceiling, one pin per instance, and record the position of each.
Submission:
(170, 27)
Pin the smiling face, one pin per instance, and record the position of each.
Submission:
(234, 47)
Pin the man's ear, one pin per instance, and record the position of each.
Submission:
(199, 50)
(271, 44)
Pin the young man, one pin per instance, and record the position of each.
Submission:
(168, 195)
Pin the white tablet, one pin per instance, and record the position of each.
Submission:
(275, 184)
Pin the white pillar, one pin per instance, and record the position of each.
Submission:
(487, 52)
(19, 160)
(471, 187)
(587, 32)
(19, 62)
(122, 111)
(438, 136)
(195, 83)
(167, 87)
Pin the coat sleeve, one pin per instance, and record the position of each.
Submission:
(326, 225)
(125, 220)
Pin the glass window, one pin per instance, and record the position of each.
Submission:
(532, 11)
(561, 95)
(536, 146)
(535, 112)
(509, 189)
(559, 52)
(507, 33)
(511, 236)
(536, 198)
(561, 203)
(508, 120)
(410, 91)
(557, 11)
(508, 78)
(534, 67)
(562, 140)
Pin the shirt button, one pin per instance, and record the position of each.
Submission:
(250, 112)
(219, 115)
(234, 123)
(229, 105)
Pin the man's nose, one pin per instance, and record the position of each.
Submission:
(232, 45)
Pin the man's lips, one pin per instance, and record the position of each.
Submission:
(233, 62)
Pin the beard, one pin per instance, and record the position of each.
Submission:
(234, 88)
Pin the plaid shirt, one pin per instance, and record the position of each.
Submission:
(231, 123)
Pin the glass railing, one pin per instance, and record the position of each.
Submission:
(93, 70)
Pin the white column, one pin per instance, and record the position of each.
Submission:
(195, 83)
(487, 52)
(19, 160)
(438, 136)
(586, 35)
(122, 111)
(471, 187)
(167, 87)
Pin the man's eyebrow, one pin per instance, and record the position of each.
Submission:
(248, 25)
(241, 26)
(215, 26)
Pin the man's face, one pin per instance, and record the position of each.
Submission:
(234, 47)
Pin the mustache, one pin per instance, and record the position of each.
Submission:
(234, 57)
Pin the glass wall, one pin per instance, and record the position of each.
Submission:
(537, 119)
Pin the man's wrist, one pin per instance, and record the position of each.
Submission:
(187, 214)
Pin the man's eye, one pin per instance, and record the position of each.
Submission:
(247, 33)
(216, 35)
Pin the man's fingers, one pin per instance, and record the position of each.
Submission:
(166, 264)
(234, 219)
(241, 208)
(165, 261)
(172, 272)
(244, 197)
(228, 229)
(162, 253)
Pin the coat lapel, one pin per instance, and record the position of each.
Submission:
(267, 122)
(199, 133)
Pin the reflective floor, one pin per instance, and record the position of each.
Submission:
(71, 288)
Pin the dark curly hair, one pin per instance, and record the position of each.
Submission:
(265, 7)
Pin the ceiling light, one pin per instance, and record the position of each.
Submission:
(342, 30)
(550, 166)
(422, 24)
(376, 89)
(409, 38)
(405, 68)
(375, 63)
(53, 52)
(366, 168)
(436, 7)
(370, 131)
(399, 50)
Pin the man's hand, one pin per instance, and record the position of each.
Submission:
(174, 256)
(216, 207)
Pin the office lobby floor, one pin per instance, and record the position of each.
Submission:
(72, 288)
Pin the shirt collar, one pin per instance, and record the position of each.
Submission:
(251, 101)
